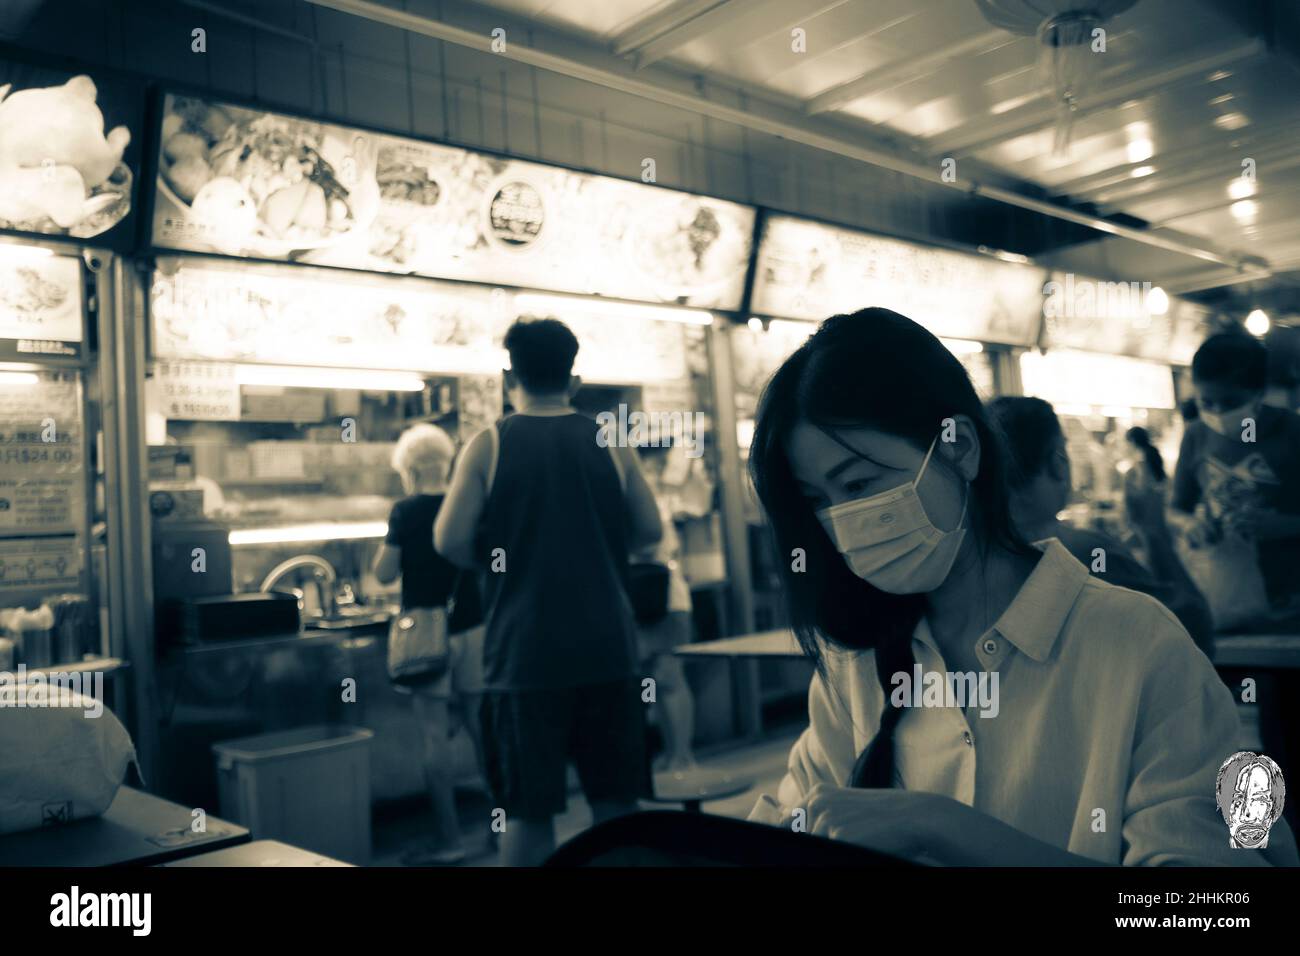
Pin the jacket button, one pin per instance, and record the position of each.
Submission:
(970, 741)
(990, 646)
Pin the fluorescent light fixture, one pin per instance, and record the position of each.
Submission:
(755, 324)
(1142, 171)
(1157, 301)
(962, 346)
(1241, 188)
(1220, 99)
(15, 252)
(19, 378)
(322, 531)
(1257, 323)
(1232, 121)
(1140, 149)
(1245, 210)
(561, 305)
(1072, 380)
(1218, 75)
(293, 376)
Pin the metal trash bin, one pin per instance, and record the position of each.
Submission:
(308, 787)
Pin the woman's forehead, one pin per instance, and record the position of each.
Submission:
(814, 450)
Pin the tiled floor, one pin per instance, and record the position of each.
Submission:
(397, 829)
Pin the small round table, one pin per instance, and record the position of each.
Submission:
(691, 788)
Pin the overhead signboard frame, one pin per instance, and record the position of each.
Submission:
(248, 182)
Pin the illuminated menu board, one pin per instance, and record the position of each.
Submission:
(1122, 318)
(220, 310)
(225, 311)
(264, 185)
(808, 270)
(68, 145)
(41, 311)
(1080, 380)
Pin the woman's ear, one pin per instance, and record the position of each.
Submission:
(961, 442)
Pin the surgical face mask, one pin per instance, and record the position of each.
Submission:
(890, 542)
(1228, 423)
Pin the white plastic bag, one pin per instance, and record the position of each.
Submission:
(56, 763)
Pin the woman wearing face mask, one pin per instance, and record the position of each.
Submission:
(872, 455)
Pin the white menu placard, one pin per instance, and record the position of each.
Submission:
(808, 270)
(198, 391)
(42, 469)
(40, 298)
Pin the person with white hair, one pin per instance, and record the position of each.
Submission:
(423, 457)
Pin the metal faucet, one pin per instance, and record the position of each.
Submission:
(322, 571)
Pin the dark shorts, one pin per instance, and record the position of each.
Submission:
(529, 738)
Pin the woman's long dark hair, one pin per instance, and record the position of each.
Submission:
(873, 369)
(1140, 437)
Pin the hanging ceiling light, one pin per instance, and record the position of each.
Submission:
(1064, 29)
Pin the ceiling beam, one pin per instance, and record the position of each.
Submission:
(1176, 161)
(1288, 160)
(1226, 202)
(896, 72)
(981, 132)
(717, 18)
(1211, 279)
(657, 24)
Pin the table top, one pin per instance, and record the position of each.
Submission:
(258, 853)
(778, 643)
(676, 786)
(1257, 650)
(137, 829)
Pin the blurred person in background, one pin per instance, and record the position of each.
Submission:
(551, 512)
(676, 710)
(1236, 497)
(423, 458)
(1236, 490)
(1040, 482)
(1148, 471)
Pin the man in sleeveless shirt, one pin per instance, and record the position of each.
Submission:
(550, 511)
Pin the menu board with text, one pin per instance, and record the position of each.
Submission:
(42, 469)
(808, 270)
(251, 183)
(223, 311)
(40, 305)
(71, 143)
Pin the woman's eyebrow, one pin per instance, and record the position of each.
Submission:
(843, 466)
